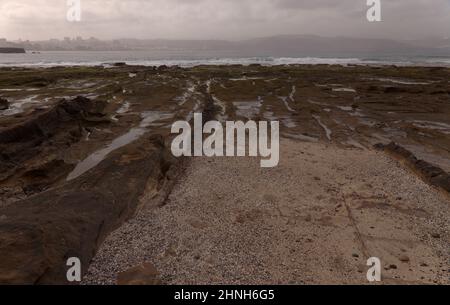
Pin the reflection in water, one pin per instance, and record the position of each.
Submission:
(124, 108)
(248, 110)
(301, 137)
(344, 90)
(441, 127)
(149, 119)
(327, 130)
(400, 81)
(286, 104)
(19, 105)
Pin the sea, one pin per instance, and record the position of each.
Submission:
(185, 58)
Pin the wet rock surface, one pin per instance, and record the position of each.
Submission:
(4, 104)
(30, 150)
(72, 220)
(429, 172)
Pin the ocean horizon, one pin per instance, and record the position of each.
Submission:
(189, 58)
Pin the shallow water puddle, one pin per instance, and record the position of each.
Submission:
(367, 122)
(269, 115)
(11, 89)
(292, 94)
(221, 117)
(327, 130)
(248, 110)
(149, 119)
(208, 85)
(195, 109)
(400, 81)
(357, 113)
(287, 121)
(286, 103)
(79, 84)
(244, 78)
(18, 106)
(19, 89)
(344, 90)
(441, 127)
(301, 137)
(317, 103)
(95, 158)
(187, 94)
(124, 108)
(345, 108)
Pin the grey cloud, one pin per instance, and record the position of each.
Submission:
(223, 19)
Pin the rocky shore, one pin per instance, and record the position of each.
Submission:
(86, 172)
(12, 50)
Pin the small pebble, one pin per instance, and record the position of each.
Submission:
(436, 235)
(404, 258)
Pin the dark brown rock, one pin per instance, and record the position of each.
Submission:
(54, 129)
(12, 50)
(436, 235)
(4, 104)
(72, 220)
(390, 267)
(428, 172)
(399, 89)
(403, 258)
(162, 68)
(45, 125)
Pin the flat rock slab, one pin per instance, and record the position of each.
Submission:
(429, 172)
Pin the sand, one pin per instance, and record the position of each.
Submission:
(314, 219)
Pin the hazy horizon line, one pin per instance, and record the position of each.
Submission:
(429, 37)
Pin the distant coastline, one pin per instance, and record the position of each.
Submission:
(273, 50)
(278, 45)
(186, 58)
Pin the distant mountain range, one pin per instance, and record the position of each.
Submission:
(282, 45)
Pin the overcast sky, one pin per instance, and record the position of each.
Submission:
(223, 19)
